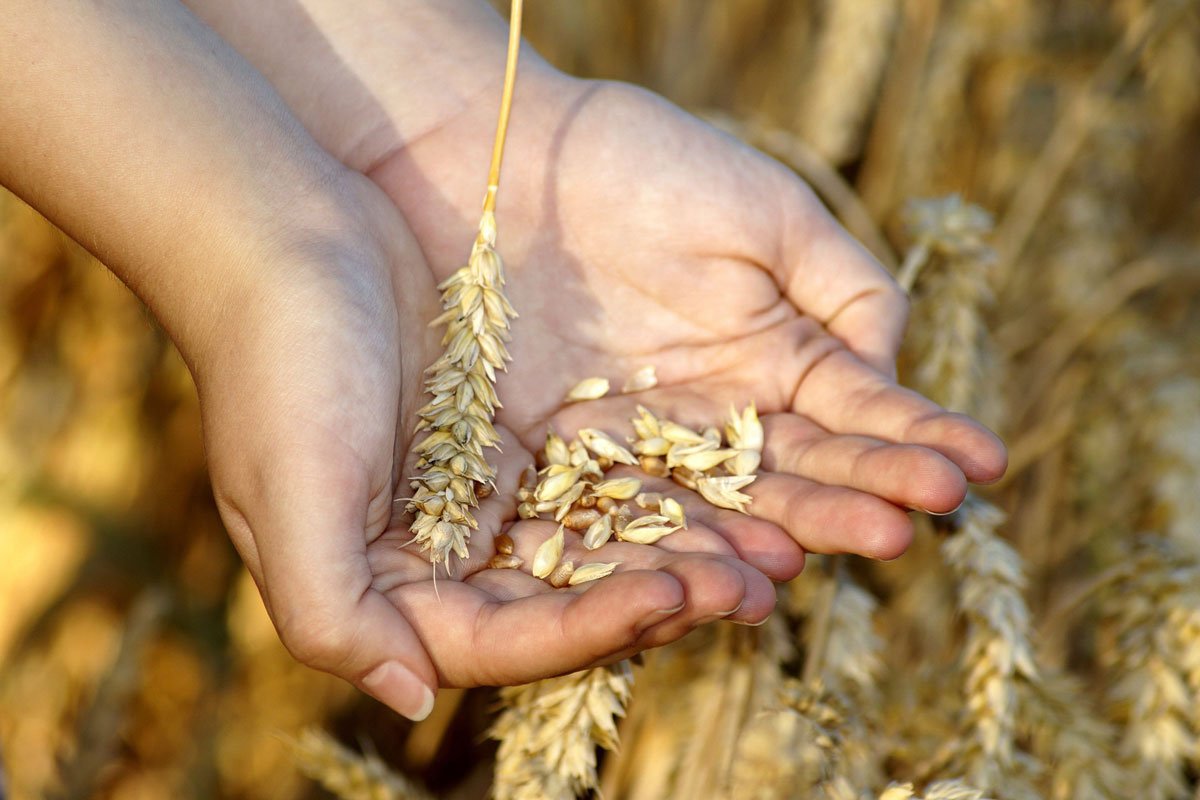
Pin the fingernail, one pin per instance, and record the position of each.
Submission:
(655, 617)
(715, 617)
(762, 621)
(399, 688)
(937, 513)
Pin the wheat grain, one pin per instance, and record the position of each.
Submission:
(548, 554)
(645, 378)
(587, 389)
(592, 572)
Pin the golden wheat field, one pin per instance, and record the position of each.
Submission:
(1030, 170)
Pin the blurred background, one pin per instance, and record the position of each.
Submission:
(136, 660)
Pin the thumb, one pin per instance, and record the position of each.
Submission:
(829, 276)
(309, 531)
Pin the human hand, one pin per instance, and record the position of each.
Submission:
(299, 300)
(309, 414)
(636, 235)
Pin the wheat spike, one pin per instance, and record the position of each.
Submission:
(463, 381)
(953, 297)
(1156, 610)
(549, 732)
(1068, 736)
(998, 653)
(348, 775)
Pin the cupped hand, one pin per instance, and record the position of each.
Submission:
(309, 390)
(636, 235)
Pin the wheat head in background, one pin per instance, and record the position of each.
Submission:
(1030, 168)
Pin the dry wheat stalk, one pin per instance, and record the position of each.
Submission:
(851, 56)
(1156, 610)
(952, 297)
(348, 775)
(822, 731)
(463, 381)
(998, 654)
(549, 732)
(99, 729)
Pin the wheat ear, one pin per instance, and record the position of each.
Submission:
(463, 381)
(998, 653)
(1157, 663)
(346, 774)
(549, 731)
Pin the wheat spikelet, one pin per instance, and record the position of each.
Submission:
(997, 654)
(850, 59)
(1156, 610)
(463, 381)
(549, 732)
(348, 775)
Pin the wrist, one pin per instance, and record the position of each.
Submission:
(364, 77)
(323, 246)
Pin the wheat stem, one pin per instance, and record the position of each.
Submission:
(510, 82)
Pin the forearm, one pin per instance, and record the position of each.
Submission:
(149, 140)
(367, 75)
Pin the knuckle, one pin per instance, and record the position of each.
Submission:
(315, 637)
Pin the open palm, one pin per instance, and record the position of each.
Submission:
(635, 235)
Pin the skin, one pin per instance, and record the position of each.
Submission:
(300, 297)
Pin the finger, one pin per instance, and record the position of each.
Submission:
(540, 635)
(317, 583)
(708, 586)
(828, 275)
(761, 544)
(905, 474)
(831, 519)
(844, 395)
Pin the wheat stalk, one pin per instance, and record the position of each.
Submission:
(463, 381)
(99, 729)
(850, 59)
(952, 297)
